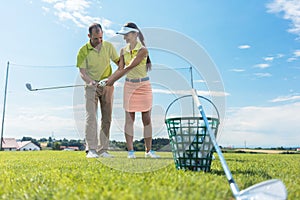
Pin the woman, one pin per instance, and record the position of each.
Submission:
(135, 63)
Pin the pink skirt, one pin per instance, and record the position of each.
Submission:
(137, 96)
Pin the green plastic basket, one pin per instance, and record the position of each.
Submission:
(191, 145)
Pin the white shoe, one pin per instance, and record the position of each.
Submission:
(92, 154)
(151, 154)
(106, 155)
(131, 154)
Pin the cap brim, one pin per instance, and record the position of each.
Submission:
(125, 30)
(121, 33)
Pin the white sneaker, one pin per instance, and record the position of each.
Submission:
(92, 154)
(131, 154)
(151, 154)
(106, 155)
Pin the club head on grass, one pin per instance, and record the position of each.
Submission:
(268, 190)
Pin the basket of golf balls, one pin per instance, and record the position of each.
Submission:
(191, 145)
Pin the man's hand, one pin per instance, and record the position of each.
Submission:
(93, 83)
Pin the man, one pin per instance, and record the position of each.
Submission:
(93, 61)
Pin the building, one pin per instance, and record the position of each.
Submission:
(10, 144)
(70, 148)
(28, 146)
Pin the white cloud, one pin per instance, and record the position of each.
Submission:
(290, 10)
(291, 59)
(262, 65)
(77, 12)
(262, 75)
(237, 70)
(45, 9)
(262, 126)
(268, 58)
(244, 46)
(50, 1)
(40, 125)
(297, 53)
(271, 58)
(286, 98)
(279, 55)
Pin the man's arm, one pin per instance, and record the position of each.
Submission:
(119, 72)
(86, 77)
(81, 64)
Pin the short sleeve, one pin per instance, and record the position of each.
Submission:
(81, 57)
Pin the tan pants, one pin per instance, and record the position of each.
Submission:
(105, 96)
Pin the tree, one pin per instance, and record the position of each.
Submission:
(56, 146)
(43, 140)
(26, 139)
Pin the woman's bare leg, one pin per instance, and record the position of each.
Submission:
(129, 121)
(146, 118)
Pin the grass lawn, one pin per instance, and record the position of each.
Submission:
(69, 175)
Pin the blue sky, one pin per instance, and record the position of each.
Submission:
(254, 46)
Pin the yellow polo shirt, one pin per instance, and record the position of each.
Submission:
(97, 64)
(139, 71)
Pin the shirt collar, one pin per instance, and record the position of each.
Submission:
(90, 47)
(136, 48)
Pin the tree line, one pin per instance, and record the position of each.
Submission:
(57, 144)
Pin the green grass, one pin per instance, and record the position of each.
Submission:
(69, 175)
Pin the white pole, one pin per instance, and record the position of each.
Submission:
(192, 84)
(4, 105)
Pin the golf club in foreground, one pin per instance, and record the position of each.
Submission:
(268, 190)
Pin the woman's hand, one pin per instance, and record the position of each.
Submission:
(110, 82)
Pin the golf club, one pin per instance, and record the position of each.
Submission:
(269, 190)
(102, 83)
(29, 87)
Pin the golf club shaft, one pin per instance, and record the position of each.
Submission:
(233, 185)
(56, 87)
(101, 83)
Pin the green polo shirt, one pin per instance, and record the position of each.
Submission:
(97, 64)
(139, 71)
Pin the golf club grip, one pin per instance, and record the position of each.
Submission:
(196, 99)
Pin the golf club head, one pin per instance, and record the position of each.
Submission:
(28, 86)
(268, 190)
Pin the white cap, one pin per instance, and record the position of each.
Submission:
(125, 30)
